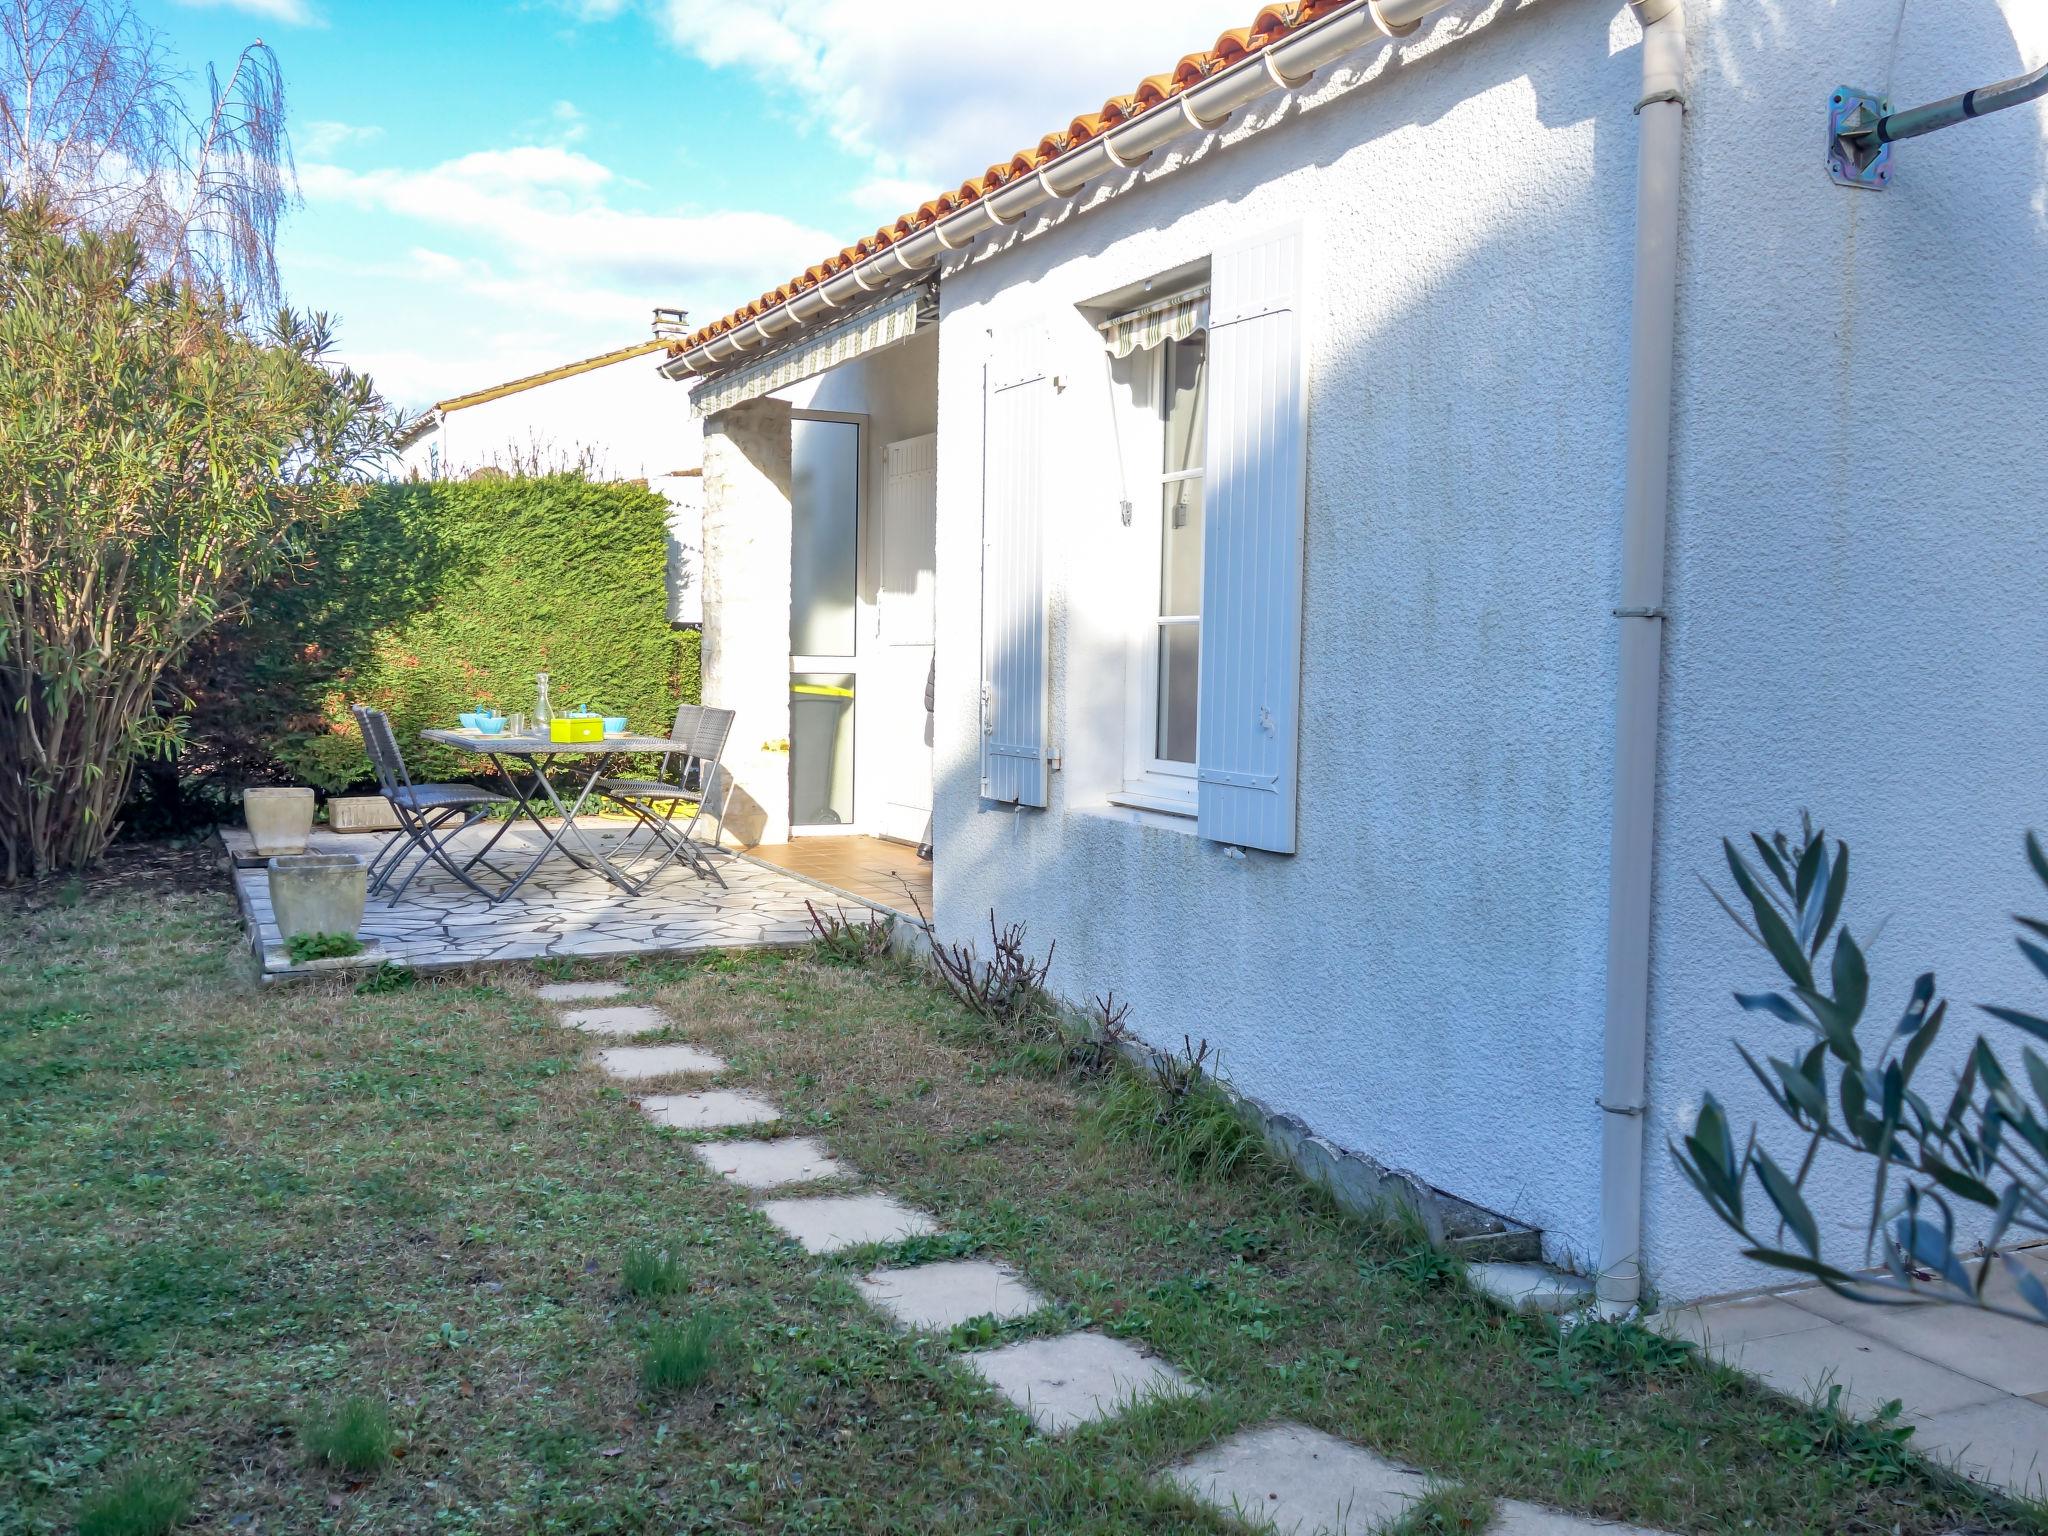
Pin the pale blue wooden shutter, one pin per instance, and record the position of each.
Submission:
(1252, 546)
(1013, 627)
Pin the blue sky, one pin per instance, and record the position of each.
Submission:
(493, 188)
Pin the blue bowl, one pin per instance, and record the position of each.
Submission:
(492, 725)
(615, 725)
(469, 720)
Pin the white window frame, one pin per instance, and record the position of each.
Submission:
(1150, 782)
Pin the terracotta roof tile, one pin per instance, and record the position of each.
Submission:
(1272, 23)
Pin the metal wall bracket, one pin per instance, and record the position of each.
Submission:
(1856, 156)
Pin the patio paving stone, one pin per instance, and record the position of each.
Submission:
(560, 911)
(1075, 1378)
(1722, 1326)
(628, 1019)
(715, 1109)
(828, 1223)
(1869, 1371)
(935, 1297)
(579, 991)
(1298, 1481)
(634, 1062)
(770, 1164)
(2003, 1442)
(2002, 1351)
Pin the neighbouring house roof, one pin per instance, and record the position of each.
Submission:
(426, 421)
(1273, 23)
(547, 376)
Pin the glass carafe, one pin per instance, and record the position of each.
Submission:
(542, 711)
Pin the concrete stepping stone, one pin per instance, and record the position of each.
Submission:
(631, 1062)
(1299, 1481)
(1075, 1378)
(828, 1223)
(935, 1297)
(1531, 1287)
(715, 1109)
(1514, 1518)
(770, 1164)
(577, 991)
(630, 1019)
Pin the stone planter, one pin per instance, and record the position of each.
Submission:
(317, 893)
(280, 820)
(361, 813)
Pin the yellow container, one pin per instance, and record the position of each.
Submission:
(576, 728)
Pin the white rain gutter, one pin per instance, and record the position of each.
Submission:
(1285, 65)
(1652, 323)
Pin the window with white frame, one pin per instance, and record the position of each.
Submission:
(1159, 364)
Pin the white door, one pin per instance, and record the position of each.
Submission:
(906, 539)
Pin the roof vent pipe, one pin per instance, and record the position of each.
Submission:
(1653, 316)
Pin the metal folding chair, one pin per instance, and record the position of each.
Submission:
(424, 813)
(699, 734)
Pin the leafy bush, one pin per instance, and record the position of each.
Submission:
(429, 598)
(356, 1437)
(142, 1501)
(679, 1356)
(1986, 1146)
(160, 454)
(307, 947)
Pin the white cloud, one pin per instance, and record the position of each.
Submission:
(291, 13)
(322, 137)
(936, 97)
(567, 123)
(538, 218)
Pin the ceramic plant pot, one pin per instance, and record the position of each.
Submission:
(317, 893)
(279, 819)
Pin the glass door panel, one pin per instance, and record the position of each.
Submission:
(824, 550)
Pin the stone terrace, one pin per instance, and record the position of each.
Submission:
(562, 911)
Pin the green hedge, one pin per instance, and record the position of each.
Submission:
(428, 599)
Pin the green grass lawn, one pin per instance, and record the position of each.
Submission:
(322, 1261)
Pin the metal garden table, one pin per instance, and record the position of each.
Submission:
(537, 755)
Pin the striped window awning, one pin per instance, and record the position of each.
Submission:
(816, 352)
(1173, 318)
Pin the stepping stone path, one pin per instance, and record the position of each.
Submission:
(828, 1223)
(1076, 1377)
(579, 991)
(631, 1019)
(935, 1297)
(1284, 1478)
(770, 1164)
(716, 1109)
(1293, 1479)
(633, 1062)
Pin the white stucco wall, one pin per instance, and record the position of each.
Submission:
(1422, 981)
(1851, 623)
(1854, 594)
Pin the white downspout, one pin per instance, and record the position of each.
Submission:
(1640, 613)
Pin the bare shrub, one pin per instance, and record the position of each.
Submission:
(1007, 989)
(845, 941)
